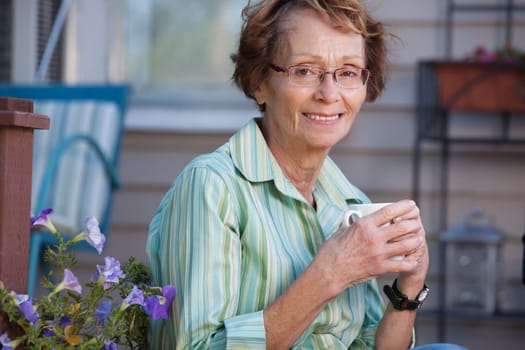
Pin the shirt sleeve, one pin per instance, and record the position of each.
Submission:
(199, 252)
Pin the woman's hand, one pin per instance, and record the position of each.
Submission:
(372, 245)
(353, 255)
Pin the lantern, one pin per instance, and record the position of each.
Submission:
(472, 265)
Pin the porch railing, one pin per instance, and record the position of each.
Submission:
(17, 125)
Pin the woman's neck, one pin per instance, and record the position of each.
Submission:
(301, 166)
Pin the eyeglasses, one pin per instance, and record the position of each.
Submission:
(347, 77)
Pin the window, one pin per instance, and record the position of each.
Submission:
(5, 40)
(20, 55)
(47, 11)
(182, 48)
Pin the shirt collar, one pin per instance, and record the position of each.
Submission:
(251, 154)
(254, 160)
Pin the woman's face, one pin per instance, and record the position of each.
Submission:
(305, 119)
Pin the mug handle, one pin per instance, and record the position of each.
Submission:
(349, 217)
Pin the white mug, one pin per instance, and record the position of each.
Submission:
(356, 211)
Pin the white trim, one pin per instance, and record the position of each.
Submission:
(87, 41)
(206, 120)
(24, 37)
(70, 61)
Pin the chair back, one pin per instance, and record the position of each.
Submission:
(75, 161)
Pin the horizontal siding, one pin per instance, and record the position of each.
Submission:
(475, 333)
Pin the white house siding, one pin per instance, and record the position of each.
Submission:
(377, 157)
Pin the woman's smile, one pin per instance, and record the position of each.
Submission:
(324, 118)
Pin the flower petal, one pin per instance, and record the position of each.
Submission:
(25, 304)
(110, 272)
(158, 306)
(6, 342)
(70, 281)
(109, 345)
(93, 235)
(103, 311)
(134, 297)
(43, 221)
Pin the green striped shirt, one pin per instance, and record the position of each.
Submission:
(232, 234)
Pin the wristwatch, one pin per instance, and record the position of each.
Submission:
(400, 301)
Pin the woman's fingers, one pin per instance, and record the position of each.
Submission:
(372, 243)
(393, 212)
(404, 247)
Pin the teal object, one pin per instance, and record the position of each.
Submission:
(75, 162)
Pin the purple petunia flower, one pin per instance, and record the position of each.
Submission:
(134, 297)
(109, 273)
(102, 312)
(158, 306)
(109, 345)
(25, 304)
(43, 221)
(70, 281)
(48, 333)
(6, 342)
(64, 322)
(93, 235)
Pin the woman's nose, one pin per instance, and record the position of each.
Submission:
(328, 90)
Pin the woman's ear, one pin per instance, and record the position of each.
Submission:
(260, 95)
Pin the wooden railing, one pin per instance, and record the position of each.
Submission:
(17, 125)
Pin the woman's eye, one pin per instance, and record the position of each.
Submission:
(348, 73)
(304, 71)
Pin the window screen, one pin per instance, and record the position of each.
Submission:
(6, 23)
(47, 10)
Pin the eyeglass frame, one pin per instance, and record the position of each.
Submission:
(286, 70)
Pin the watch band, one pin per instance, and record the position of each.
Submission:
(400, 301)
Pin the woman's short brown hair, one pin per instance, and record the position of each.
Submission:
(261, 37)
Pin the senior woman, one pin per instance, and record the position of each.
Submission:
(251, 234)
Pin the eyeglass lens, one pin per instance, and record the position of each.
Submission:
(348, 76)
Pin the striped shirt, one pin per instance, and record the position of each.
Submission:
(232, 233)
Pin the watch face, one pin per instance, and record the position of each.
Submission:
(423, 295)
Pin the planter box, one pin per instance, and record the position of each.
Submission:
(482, 87)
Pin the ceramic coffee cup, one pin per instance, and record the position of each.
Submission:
(356, 211)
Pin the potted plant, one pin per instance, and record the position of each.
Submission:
(486, 81)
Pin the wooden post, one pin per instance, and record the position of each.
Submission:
(17, 124)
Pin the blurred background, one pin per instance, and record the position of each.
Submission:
(175, 56)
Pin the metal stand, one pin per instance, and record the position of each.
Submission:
(432, 126)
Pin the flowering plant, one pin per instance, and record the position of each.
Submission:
(504, 55)
(113, 310)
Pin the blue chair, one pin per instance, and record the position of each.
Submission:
(75, 161)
